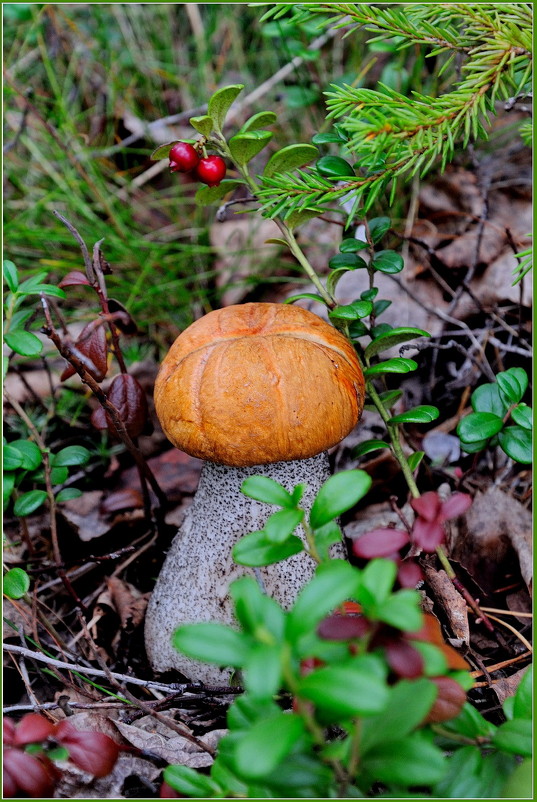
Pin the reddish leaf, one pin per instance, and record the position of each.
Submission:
(403, 658)
(343, 627)
(431, 632)
(427, 534)
(409, 574)
(380, 543)
(122, 317)
(33, 728)
(456, 505)
(73, 278)
(167, 792)
(9, 731)
(92, 350)
(93, 752)
(9, 785)
(449, 702)
(427, 506)
(127, 395)
(36, 776)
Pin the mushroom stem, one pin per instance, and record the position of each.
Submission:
(194, 581)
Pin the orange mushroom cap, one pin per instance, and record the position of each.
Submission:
(258, 383)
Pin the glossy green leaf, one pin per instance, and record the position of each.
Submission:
(342, 692)
(263, 671)
(12, 458)
(266, 743)
(259, 120)
(31, 455)
(376, 583)
(415, 459)
(410, 761)
(163, 151)
(263, 488)
(397, 365)
(421, 414)
(258, 614)
(305, 295)
(390, 397)
(479, 426)
(190, 783)
(333, 278)
(281, 524)
(379, 307)
(392, 338)
(11, 275)
(348, 260)
(514, 737)
(332, 583)
(337, 495)
(513, 384)
(354, 311)
(212, 643)
(207, 195)
(369, 445)
(23, 342)
(517, 444)
(16, 583)
(523, 416)
(29, 502)
(203, 124)
(46, 289)
(67, 494)
(357, 329)
(245, 146)
(220, 103)
(327, 536)
(388, 262)
(402, 610)
(334, 167)
(523, 696)
(8, 484)
(378, 227)
(519, 784)
(410, 701)
(289, 158)
(351, 245)
(58, 475)
(486, 398)
(71, 455)
(326, 139)
(257, 549)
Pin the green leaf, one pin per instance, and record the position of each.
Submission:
(67, 494)
(332, 583)
(46, 289)
(411, 761)
(259, 751)
(409, 703)
(397, 365)
(486, 398)
(392, 338)
(71, 455)
(280, 525)
(59, 475)
(11, 275)
(337, 495)
(402, 610)
(378, 227)
(163, 151)
(326, 139)
(351, 245)
(31, 455)
(388, 262)
(212, 643)
(325, 537)
(299, 216)
(29, 502)
(206, 195)
(263, 488)
(516, 442)
(16, 583)
(257, 549)
(190, 783)
(245, 146)
(523, 696)
(513, 384)
(307, 295)
(471, 724)
(12, 458)
(369, 445)
(376, 583)
(479, 426)
(289, 158)
(8, 484)
(203, 124)
(434, 661)
(357, 329)
(380, 307)
(354, 311)
(519, 784)
(415, 459)
(348, 260)
(334, 167)
(514, 737)
(258, 614)
(333, 278)
(345, 691)
(259, 120)
(523, 415)
(389, 398)
(263, 671)
(220, 103)
(23, 342)
(421, 414)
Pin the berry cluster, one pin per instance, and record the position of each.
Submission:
(184, 158)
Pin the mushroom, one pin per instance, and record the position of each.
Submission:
(252, 389)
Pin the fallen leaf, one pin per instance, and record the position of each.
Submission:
(507, 686)
(128, 602)
(167, 744)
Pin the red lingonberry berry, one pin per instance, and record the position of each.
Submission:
(211, 170)
(183, 157)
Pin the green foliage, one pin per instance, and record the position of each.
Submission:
(493, 405)
(16, 583)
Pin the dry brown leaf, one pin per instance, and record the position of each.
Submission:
(85, 516)
(507, 686)
(453, 604)
(128, 602)
(167, 744)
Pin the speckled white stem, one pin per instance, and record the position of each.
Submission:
(193, 584)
